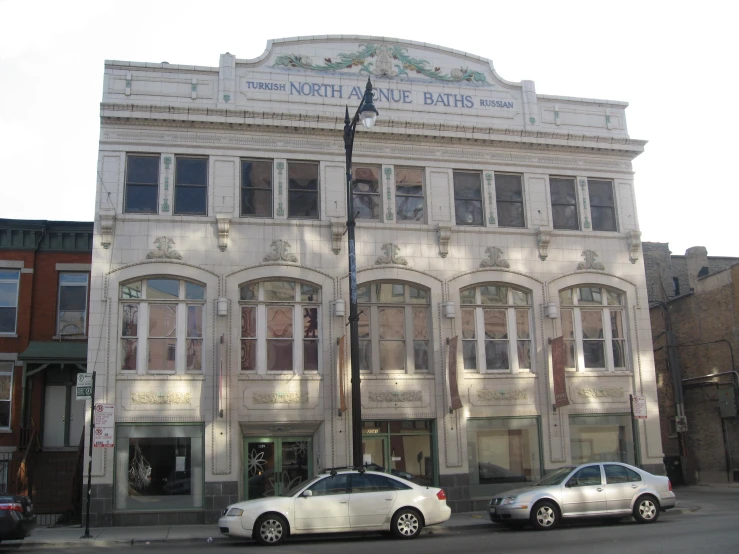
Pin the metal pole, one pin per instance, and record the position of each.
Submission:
(87, 534)
(634, 431)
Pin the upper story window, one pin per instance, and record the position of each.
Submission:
(72, 306)
(509, 200)
(191, 186)
(272, 337)
(394, 327)
(593, 328)
(302, 190)
(162, 325)
(409, 187)
(602, 205)
(9, 279)
(496, 328)
(366, 191)
(564, 203)
(6, 393)
(468, 208)
(142, 184)
(256, 188)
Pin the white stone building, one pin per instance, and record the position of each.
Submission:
(486, 212)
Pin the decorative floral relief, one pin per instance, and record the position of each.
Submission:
(590, 263)
(280, 252)
(502, 394)
(160, 397)
(591, 392)
(495, 258)
(391, 255)
(280, 168)
(280, 397)
(389, 396)
(389, 61)
(163, 250)
(256, 462)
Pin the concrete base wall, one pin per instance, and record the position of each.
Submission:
(457, 489)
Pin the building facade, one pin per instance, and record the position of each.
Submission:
(485, 212)
(44, 290)
(698, 300)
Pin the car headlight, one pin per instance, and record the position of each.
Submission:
(235, 512)
(509, 500)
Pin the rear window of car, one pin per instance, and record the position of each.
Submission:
(620, 474)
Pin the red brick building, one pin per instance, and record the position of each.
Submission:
(44, 299)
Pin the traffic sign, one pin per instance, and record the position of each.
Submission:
(105, 415)
(104, 432)
(84, 386)
(639, 406)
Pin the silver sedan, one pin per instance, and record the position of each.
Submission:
(608, 489)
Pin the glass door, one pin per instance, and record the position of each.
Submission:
(275, 465)
(374, 453)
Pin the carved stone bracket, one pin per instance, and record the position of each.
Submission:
(391, 255)
(107, 222)
(495, 258)
(224, 226)
(279, 252)
(590, 263)
(633, 240)
(543, 238)
(444, 233)
(163, 250)
(337, 232)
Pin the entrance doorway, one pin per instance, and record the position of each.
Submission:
(402, 448)
(273, 466)
(64, 417)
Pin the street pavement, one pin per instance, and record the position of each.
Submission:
(691, 501)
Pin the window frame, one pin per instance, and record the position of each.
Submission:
(155, 186)
(298, 340)
(180, 186)
(373, 306)
(377, 195)
(17, 281)
(7, 367)
(59, 302)
(603, 207)
(317, 192)
(605, 309)
(498, 201)
(480, 340)
(481, 200)
(401, 196)
(242, 188)
(553, 203)
(143, 336)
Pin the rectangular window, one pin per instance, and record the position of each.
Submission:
(509, 200)
(72, 307)
(142, 184)
(6, 393)
(468, 198)
(564, 203)
(602, 438)
(129, 336)
(302, 190)
(159, 467)
(366, 191)
(9, 281)
(602, 205)
(191, 186)
(409, 194)
(256, 188)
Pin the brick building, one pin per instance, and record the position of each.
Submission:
(701, 295)
(44, 292)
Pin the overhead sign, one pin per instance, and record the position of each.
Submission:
(639, 407)
(104, 432)
(84, 386)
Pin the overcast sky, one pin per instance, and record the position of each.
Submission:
(674, 62)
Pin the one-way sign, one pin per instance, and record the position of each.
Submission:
(84, 386)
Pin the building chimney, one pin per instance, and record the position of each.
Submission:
(697, 262)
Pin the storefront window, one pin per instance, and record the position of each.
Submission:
(401, 448)
(159, 467)
(502, 451)
(603, 438)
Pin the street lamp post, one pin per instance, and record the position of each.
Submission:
(367, 113)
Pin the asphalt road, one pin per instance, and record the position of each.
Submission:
(713, 527)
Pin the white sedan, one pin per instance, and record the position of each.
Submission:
(338, 501)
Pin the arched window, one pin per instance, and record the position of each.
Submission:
(496, 328)
(162, 325)
(593, 328)
(272, 336)
(394, 327)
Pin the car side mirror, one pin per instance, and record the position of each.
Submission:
(307, 494)
(571, 483)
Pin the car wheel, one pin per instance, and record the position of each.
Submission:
(406, 524)
(544, 516)
(646, 509)
(270, 530)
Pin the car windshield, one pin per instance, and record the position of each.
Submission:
(293, 491)
(556, 477)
